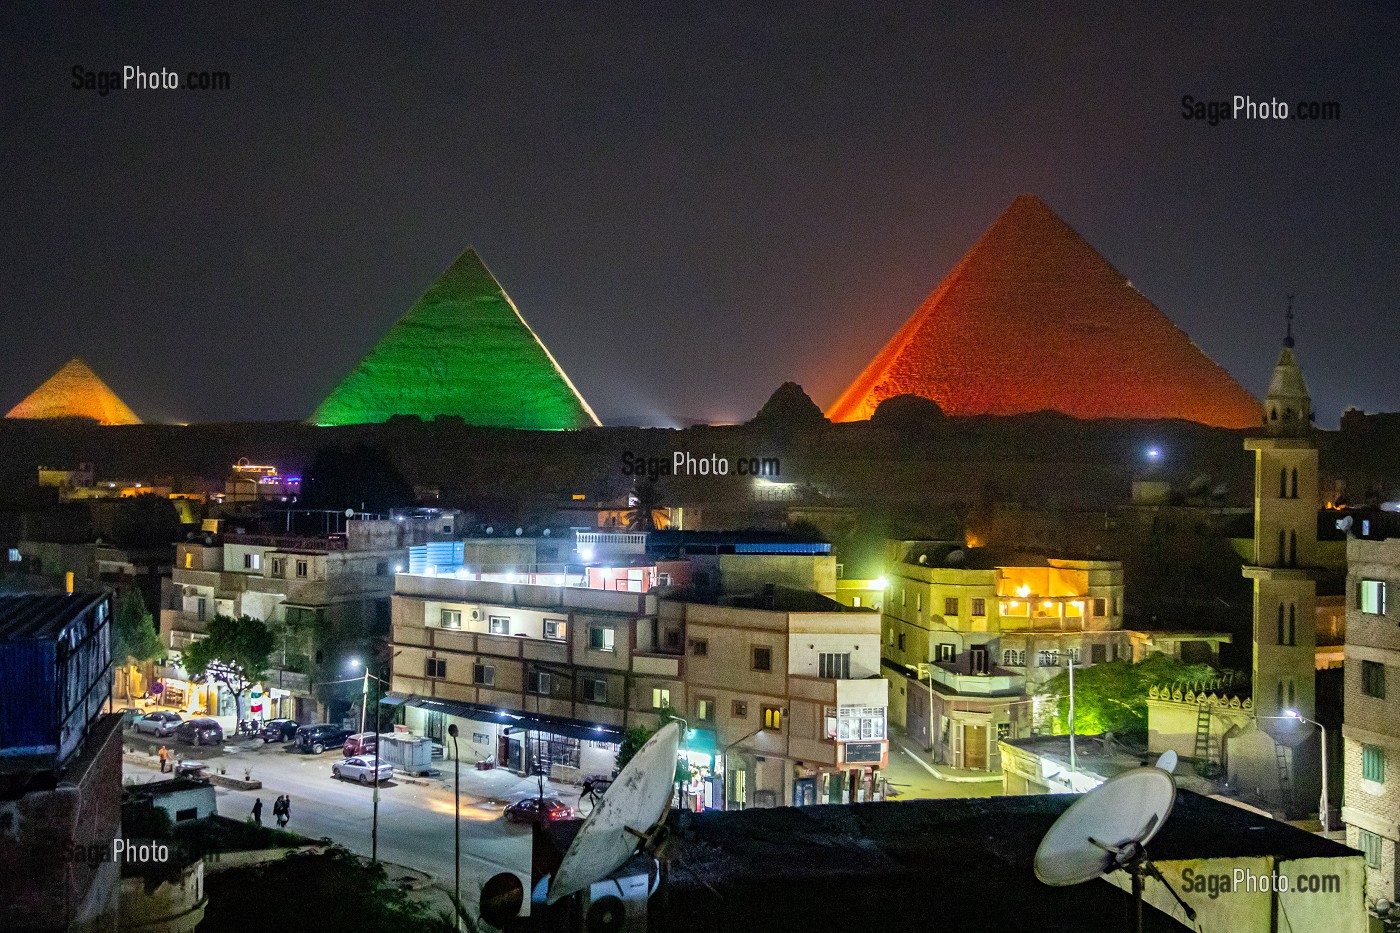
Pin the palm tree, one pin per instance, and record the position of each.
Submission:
(646, 512)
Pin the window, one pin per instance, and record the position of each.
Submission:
(950, 606)
(435, 668)
(601, 637)
(1373, 679)
(498, 625)
(660, 698)
(834, 666)
(595, 690)
(483, 675)
(303, 569)
(762, 658)
(1073, 655)
(555, 629)
(480, 738)
(189, 558)
(1013, 658)
(1100, 606)
(1373, 763)
(980, 659)
(1370, 844)
(1098, 654)
(945, 651)
(1292, 624)
(739, 709)
(252, 561)
(673, 638)
(773, 718)
(1371, 599)
(979, 606)
(918, 602)
(540, 682)
(1048, 659)
(829, 715)
(202, 608)
(855, 602)
(901, 641)
(1283, 483)
(451, 618)
(279, 566)
(699, 647)
(705, 709)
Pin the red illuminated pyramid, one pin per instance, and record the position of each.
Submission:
(75, 391)
(1034, 319)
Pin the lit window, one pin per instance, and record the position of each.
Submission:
(1373, 763)
(483, 675)
(762, 658)
(602, 637)
(555, 629)
(773, 718)
(1372, 598)
(435, 668)
(499, 625)
(451, 618)
(189, 558)
(16, 557)
(660, 698)
(1373, 679)
(252, 561)
(705, 709)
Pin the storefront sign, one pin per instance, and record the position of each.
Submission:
(864, 752)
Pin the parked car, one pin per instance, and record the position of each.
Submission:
(129, 715)
(362, 768)
(534, 810)
(362, 743)
(200, 732)
(318, 737)
(279, 730)
(162, 723)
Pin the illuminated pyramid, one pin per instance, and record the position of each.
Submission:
(463, 349)
(75, 391)
(1032, 318)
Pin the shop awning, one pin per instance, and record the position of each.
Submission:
(522, 721)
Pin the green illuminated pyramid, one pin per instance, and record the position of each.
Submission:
(463, 349)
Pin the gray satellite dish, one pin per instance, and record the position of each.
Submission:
(1344, 524)
(545, 532)
(954, 558)
(1108, 830)
(489, 529)
(631, 813)
(1167, 762)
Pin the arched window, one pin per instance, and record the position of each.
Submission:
(1283, 483)
(1295, 483)
(1292, 548)
(1273, 414)
(1280, 625)
(1293, 623)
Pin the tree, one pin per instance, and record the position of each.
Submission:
(646, 507)
(235, 654)
(633, 740)
(134, 635)
(1112, 697)
(145, 521)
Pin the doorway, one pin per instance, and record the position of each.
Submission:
(975, 747)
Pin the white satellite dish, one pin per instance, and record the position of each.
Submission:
(1167, 762)
(349, 513)
(1108, 830)
(631, 811)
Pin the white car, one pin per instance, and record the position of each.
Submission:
(161, 724)
(361, 768)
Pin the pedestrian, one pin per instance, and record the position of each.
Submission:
(164, 758)
(285, 814)
(257, 811)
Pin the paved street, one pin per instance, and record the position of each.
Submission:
(912, 775)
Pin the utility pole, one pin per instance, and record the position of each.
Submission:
(1072, 763)
(456, 829)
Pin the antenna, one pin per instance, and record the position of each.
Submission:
(1288, 324)
(632, 813)
(1107, 830)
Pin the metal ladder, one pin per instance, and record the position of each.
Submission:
(1203, 718)
(1285, 774)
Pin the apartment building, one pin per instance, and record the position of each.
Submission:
(324, 596)
(1371, 729)
(781, 689)
(975, 632)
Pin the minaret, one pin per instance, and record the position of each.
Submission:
(1285, 543)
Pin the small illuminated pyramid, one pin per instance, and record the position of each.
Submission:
(463, 349)
(75, 391)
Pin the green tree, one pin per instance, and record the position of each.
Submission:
(235, 653)
(145, 521)
(134, 635)
(633, 740)
(646, 507)
(1112, 697)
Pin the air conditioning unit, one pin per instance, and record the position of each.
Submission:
(618, 904)
(475, 614)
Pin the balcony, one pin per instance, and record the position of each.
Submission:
(999, 684)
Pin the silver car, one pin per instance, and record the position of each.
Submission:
(362, 768)
(162, 723)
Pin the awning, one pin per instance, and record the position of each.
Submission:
(514, 720)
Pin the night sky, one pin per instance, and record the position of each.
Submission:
(690, 203)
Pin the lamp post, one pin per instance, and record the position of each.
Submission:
(1323, 804)
(456, 827)
(364, 710)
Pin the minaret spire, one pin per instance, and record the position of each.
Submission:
(1288, 324)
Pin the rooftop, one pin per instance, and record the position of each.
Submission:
(41, 615)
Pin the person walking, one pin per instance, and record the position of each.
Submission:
(284, 810)
(257, 811)
(164, 759)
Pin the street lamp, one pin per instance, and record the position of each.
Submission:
(364, 708)
(456, 827)
(1322, 806)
